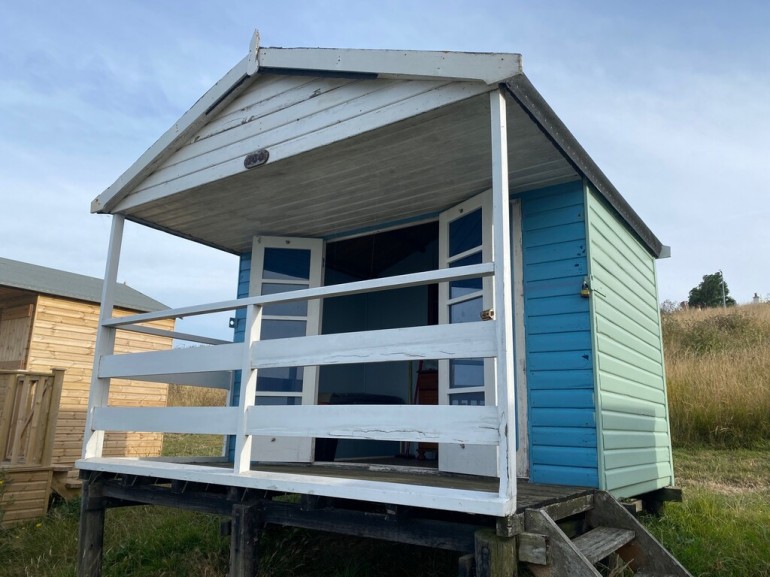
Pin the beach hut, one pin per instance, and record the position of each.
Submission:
(443, 305)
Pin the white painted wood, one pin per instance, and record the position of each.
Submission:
(467, 458)
(243, 441)
(519, 338)
(265, 98)
(200, 420)
(358, 287)
(174, 335)
(210, 379)
(478, 502)
(201, 359)
(403, 344)
(476, 425)
(277, 448)
(333, 101)
(228, 162)
(252, 62)
(93, 439)
(218, 96)
(503, 299)
(486, 67)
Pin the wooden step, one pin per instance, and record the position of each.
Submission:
(597, 543)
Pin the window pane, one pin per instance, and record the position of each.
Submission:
(466, 373)
(273, 401)
(280, 329)
(465, 232)
(458, 288)
(296, 309)
(472, 399)
(282, 380)
(287, 263)
(466, 312)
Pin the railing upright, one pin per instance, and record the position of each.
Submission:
(248, 392)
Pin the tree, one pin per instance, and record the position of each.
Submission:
(709, 292)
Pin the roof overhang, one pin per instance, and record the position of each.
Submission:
(416, 166)
(398, 64)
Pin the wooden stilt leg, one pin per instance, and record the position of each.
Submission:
(495, 555)
(91, 532)
(243, 541)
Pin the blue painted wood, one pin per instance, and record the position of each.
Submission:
(566, 456)
(560, 377)
(562, 437)
(559, 305)
(564, 398)
(568, 475)
(569, 417)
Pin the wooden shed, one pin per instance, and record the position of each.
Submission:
(48, 320)
(431, 266)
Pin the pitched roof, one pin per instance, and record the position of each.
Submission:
(490, 69)
(41, 279)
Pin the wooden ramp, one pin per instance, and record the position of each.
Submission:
(577, 538)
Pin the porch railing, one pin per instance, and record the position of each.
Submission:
(30, 408)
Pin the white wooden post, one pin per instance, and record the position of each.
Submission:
(93, 440)
(506, 385)
(248, 389)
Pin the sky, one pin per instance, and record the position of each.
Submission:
(669, 98)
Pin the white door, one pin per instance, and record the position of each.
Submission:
(465, 238)
(280, 264)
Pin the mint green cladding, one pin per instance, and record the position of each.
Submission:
(633, 434)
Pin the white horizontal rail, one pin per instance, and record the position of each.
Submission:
(393, 282)
(465, 340)
(468, 501)
(201, 420)
(173, 334)
(437, 423)
(175, 361)
(211, 379)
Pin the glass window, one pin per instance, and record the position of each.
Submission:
(295, 309)
(466, 312)
(466, 373)
(459, 288)
(274, 401)
(287, 263)
(465, 232)
(280, 380)
(282, 329)
(471, 399)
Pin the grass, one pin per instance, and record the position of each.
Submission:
(722, 529)
(718, 374)
(718, 369)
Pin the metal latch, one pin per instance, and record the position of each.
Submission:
(488, 314)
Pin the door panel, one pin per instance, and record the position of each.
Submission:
(281, 265)
(465, 238)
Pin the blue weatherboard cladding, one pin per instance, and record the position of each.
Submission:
(560, 376)
(244, 270)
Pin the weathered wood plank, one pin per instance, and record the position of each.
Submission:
(399, 493)
(201, 420)
(176, 361)
(495, 556)
(599, 542)
(91, 532)
(347, 289)
(244, 540)
(566, 558)
(463, 340)
(431, 423)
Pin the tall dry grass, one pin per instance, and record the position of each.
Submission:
(718, 374)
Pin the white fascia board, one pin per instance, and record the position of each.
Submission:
(489, 68)
(217, 96)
